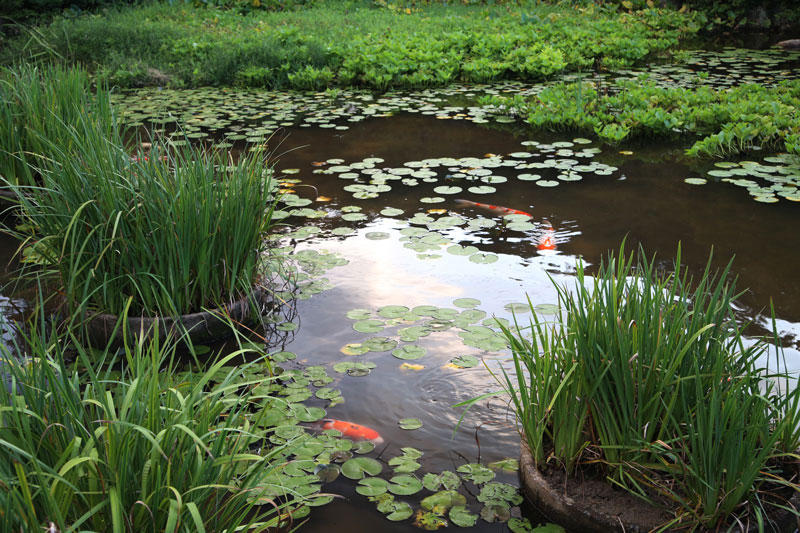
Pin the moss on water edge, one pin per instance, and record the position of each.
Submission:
(352, 44)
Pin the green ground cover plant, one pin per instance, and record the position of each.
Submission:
(131, 443)
(38, 105)
(177, 229)
(728, 121)
(352, 43)
(645, 381)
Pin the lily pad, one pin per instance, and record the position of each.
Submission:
(696, 181)
(405, 485)
(393, 311)
(380, 344)
(429, 521)
(354, 348)
(447, 189)
(483, 258)
(372, 486)
(465, 361)
(358, 314)
(409, 352)
(360, 467)
(460, 516)
(368, 326)
(413, 423)
(466, 303)
(401, 511)
(442, 501)
(475, 472)
(507, 465)
(377, 235)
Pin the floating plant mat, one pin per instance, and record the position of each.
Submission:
(769, 180)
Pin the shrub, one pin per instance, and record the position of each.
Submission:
(649, 380)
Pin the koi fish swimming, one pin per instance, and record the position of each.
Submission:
(547, 241)
(496, 209)
(350, 430)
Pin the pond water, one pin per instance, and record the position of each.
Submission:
(388, 210)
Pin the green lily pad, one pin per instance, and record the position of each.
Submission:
(529, 177)
(404, 464)
(360, 467)
(499, 493)
(517, 307)
(364, 446)
(380, 344)
(393, 311)
(391, 212)
(401, 511)
(475, 472)
(495, 513)
(354, 369)
(358, 314)
(327, 473)
(457, 249)
(327, 393)
(306, 414)
(372, 486)
(466, 303)
(354, 217)
(546, 309)
(547, 183)
(405, 485)
(354, 348)
(429, 521)
(409, 352)
(483, 258)
(696, 181)
(465, 361)
(460, 516)
(377, 235)
(368, 326)
(482, 189)
(442, 501)
(413, 423)
(431, 199)
(507, 465)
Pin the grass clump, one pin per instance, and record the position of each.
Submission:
(174, 229)
(353, 43)
(647, 382)
(38, 105)
(141, 449)
(728, 121)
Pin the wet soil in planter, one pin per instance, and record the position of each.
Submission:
(592, 505)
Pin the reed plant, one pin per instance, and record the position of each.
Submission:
(645, 379)
(129, 444)
(38, 104)
(175, 229)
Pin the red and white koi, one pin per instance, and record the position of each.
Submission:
(496, 209)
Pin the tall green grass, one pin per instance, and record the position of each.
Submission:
(38, 105)
(646, 377)
(175, 229)
(84, 447)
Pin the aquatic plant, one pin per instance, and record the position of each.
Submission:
(176, 229)
(37, 106)
(352, 43)
(142, 449)
(646, 377)
(728, 121)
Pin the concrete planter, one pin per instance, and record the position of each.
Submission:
(203, 327)
(589, 506)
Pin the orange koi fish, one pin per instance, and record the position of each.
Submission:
(496, 209)
(547, 241)
(351, 431)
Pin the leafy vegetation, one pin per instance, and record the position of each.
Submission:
(175, 229)
(649, 380)
(730, 121)
(145, 449)
(38, 105)
(352, 43)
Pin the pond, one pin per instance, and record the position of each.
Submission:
(416, 219)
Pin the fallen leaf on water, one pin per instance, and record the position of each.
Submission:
(411, 366)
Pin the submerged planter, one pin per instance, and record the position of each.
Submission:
(591, 505)
(202, 327)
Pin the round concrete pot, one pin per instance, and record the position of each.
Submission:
(202, 327)
(591, 506)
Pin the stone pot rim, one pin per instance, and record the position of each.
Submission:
(576, 516)
(201, 326)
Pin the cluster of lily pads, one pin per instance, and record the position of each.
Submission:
(776, 176)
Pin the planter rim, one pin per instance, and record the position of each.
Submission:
(202, 326)
(565, 506)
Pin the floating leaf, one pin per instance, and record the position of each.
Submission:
(404, 464)
(457, 249)
(483, 258)
(696, 181)
(546, 309)
(517, 307)
(359, 467)
(358, 314)
(372, 486)
(464, 361)
(368, 326)
(446, 189)
(413, 423)
(460, 516)
(442, 501)
(327, 473)
(401, 511)
(411, 366)
(409, 352)
(507, 465)
(405, 485)
(482, 189)
(364, 446)
(380, 344)
(466, 303)
(547, 183)
(377, 235)
(429, 521)
(475, 472)
(354, 348)
(499, 493)
(393, 311)
(354, 369)
(391, 212)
